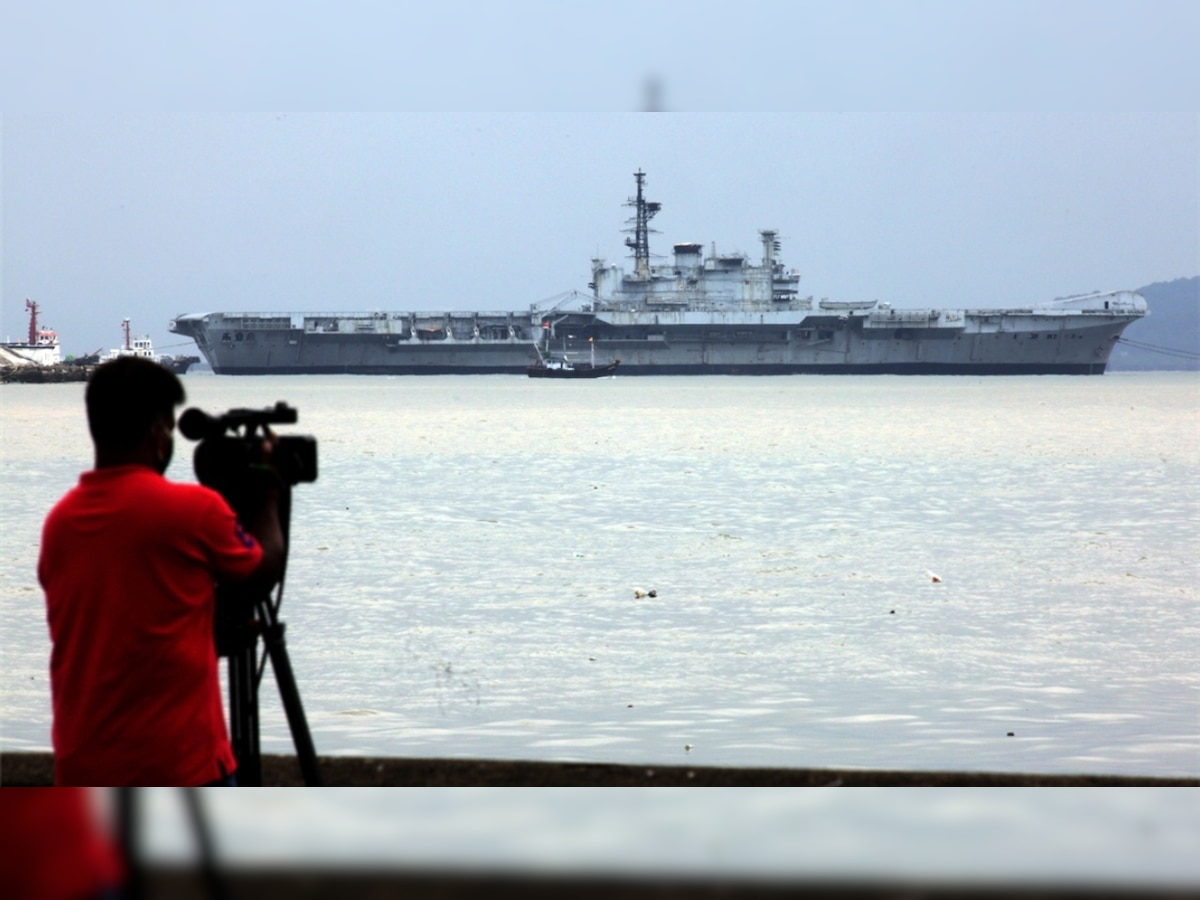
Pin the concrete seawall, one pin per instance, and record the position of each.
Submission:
(36, 769)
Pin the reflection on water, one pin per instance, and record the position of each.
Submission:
(464, 575)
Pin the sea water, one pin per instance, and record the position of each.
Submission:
(960, 573)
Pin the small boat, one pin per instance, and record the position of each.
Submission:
(142, 346)
(179, 364)
(561, 367)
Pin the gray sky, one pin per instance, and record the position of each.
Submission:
(555, 55)
(108, 216)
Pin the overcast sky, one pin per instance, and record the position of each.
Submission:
(562, 56)
(1069, 187)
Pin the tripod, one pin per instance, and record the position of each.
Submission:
(128, 836)
(243, 616)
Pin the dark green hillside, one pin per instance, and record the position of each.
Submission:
(1173, 323)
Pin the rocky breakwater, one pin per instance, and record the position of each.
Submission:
(32, 374)
(19, 369)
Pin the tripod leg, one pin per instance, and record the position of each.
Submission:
(217, 889)
(243, 714)
(127, 836)
(289, 693)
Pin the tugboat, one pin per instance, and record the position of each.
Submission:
(561, 367)
(142, 346)
(133, 346)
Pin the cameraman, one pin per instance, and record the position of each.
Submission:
(129, 562)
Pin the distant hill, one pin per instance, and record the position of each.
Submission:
(1173, 324)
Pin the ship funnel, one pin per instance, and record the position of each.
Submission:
(687, 257)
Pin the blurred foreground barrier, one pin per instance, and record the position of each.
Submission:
(36, 769)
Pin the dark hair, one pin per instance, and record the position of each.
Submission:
(125, 396)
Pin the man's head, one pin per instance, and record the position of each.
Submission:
(131, 412)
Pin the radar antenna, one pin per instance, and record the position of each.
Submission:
(640, 242)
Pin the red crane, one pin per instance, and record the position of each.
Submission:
(32, 307)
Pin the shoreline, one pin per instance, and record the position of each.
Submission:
(23, 769)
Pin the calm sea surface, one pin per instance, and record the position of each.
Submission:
(463, 573)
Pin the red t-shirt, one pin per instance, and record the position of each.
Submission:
(129, 562)
(54, 846)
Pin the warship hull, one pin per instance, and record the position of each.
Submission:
(984, 342)
(715, 314)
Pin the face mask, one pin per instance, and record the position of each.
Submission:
(165, 444)
(166, 460)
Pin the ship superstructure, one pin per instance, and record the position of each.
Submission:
(699, 313)
(140, 345)
(40, 348)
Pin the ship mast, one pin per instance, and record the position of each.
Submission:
(32, 307)
(640, 242)
(125, 328)
(770, 248)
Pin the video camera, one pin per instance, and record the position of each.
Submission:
(229, 457)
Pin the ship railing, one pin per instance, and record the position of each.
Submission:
(879, 318)
(260, 322)
(668, 303)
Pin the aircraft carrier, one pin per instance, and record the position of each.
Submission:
(699, 314)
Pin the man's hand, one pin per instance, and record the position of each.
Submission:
(266, 527)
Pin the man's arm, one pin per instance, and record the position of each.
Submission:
(267, 531)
